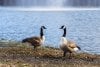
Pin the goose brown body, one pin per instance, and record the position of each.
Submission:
(36, 41)
(67, 45)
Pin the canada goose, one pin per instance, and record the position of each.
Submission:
(66, 45)
(36, 41)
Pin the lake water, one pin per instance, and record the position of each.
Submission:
(83, 27)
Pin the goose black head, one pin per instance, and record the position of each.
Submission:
(62, 27)
(43, 27)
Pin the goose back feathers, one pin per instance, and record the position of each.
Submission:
(36, 41)
(67, 45)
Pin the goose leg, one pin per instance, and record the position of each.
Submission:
(64, 54)
(35, 47)
(71, 55)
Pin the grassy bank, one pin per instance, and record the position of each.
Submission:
(21, 55)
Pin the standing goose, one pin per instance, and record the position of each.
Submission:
(36, 41)
(66, 45)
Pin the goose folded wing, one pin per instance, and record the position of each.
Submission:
(71, 44)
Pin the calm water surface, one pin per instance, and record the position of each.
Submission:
(83, 27)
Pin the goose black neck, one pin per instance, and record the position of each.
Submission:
(64, 34)
(41, 32)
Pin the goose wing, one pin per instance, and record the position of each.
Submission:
(33, 40)
(72, 44)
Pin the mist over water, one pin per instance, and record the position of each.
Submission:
(51, 3)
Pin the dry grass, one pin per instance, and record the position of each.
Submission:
(21, 55)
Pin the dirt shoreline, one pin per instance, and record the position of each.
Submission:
(25, 56)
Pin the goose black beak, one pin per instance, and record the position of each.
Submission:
(60, 28)
(45, 28)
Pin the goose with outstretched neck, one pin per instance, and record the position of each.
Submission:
(35, 40)
(66, 45)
